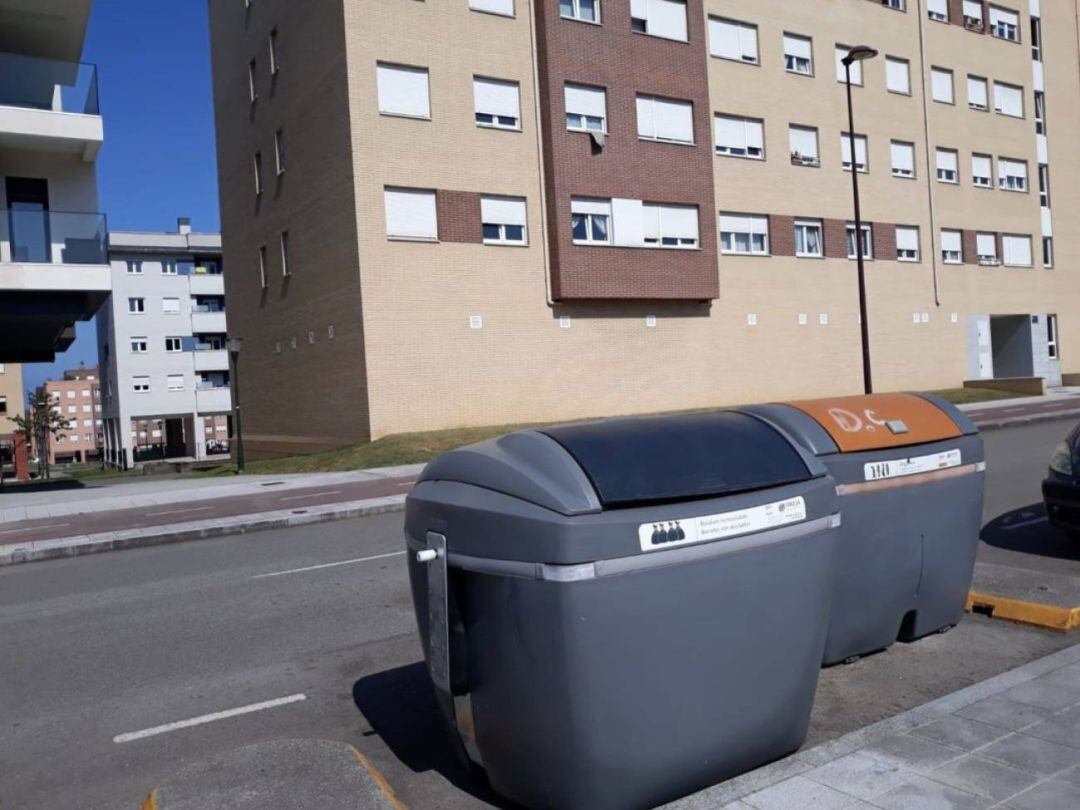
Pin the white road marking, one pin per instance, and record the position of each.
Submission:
(1023, 523)
(312, 495)
(179, 511)
(34, 528)
(1012, 410)
(208, 718)
(329, 565)
(407, 484)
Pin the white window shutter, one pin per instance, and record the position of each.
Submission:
(896, 76)
(748, 43)
(589, 205)
(646, 125)
(667, 19)
(680, 221)
(502, 210)
(946, 160)
(724, 39)
(583, 100)
(942, 85)
(650, 221)
(403, 90)
(1008, 99)
(803, 141)
(734, 223)
(907, 239)
(797, 47)
(1000, 15)
(730, 132)
(505, 7)
(627, 222)
(938, 7)
(986, 244)
(755, 134)
(674, 120)
(951, 241)
(977, 92)
(639, 9)
(410, 213)
(973, 8)
(496, 97)
(1017, 250)
(980, 166)
(903, 156)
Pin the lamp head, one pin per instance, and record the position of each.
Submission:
(235, 344)
(860, 53)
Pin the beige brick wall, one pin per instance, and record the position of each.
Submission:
(11, 386)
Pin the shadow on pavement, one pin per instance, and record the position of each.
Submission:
(400, 706)
(42, 486)
(1027, 530)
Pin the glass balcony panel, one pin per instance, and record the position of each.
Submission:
(29, 235)
(48, 84)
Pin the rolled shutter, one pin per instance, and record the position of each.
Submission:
(646, 122)
(977, 92)
(505, 7)
(951, 241)
(667, 18)
(680, 221)
(730, 132)
(942, 84)
(797, 47)
(410, 213)
(502, 210)
(584, 100)
(403, 90)
(496, 97)
(903, 156)
(585, 205)
(803, 141)
(674, 120)
(907, 239)
(986, 244)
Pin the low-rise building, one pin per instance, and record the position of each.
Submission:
(161, 346)
(12, 455)
(77, 398)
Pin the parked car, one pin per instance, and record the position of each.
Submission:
(1061, 488)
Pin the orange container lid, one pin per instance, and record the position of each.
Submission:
(877, 421)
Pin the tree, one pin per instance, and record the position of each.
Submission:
(40, 424)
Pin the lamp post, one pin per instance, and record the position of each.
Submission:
(859, 53)
(234, 345)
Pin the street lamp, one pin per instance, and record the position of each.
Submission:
(234, 345)
(859, 53)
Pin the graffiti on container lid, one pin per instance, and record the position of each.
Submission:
(854, 423)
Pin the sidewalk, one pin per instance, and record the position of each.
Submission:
(1058, 403)
(1012, 741)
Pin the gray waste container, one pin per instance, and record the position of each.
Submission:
(910, 470)
(618, 613)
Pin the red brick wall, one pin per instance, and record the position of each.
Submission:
(781, 235)
(956, 15)
(835, 232)
(458, 216)
(970, 247)
(625, 63)
(883, 237)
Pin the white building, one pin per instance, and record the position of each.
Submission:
(161, 348)
(53, 251)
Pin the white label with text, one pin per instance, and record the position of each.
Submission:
(670, 533)
(879, 470)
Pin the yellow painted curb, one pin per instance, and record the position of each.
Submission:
(1052, 617)
(380, 780)
(150, 802)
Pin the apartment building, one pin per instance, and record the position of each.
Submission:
(77, 398)
(501, 211)
(53, 267)
(13, 450)
(161, 348)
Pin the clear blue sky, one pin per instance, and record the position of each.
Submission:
(158, 160)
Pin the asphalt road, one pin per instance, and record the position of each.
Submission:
(103, 656)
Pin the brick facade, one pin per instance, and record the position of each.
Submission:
(458, 216)
(835, 233)
(956, 16)
(883, 237)
(781, 235)
(970, 248)
(625, 63)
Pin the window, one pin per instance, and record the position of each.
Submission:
(169, 267)
(70, 395)
(897, 75)
(947, 166)
(1036, 39)
(952, 247)
(410, 214)
(271, 43)
(808, 238)
(981, 171)
(986, 249)
(1051, 337)
(140, 385)
(941, 83)
(586, 108)
(264, 282)
(1004, 24)
(174, 382)
(252, 94)
(907, 244)
(3, 404)
(973, 14)
(503, 220)
(279, 152)
(136, 305)
(71, 408)
(170, 306)
(1044, 185)
(896, 5)
(798, 54)
(1016, 250)
(860, 152)
(138, 345)
(256, 165)
(174, 344)
(937, 10)
(659, 18)
(283, 241)
(496, 103)
(1009, 99)
(590, 221)
(740, 137)
(87, 408)
(1048, 251)
(803, 142)
(731, 39)
(977, 93)
(744, 234)
(581, 10)
(841, 71)
(134, 267)
(662, 119)
(403, 90)
(670, 226)
(866, 240)
(903, 158)
(1012, 174)
(1040, 112)
(503, 7)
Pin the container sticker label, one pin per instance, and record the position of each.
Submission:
(878, 470)
(670, 533)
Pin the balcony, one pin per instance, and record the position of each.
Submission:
(209, 359)
(49, 105)
(212, 399)
(207, 284)
(206, 321)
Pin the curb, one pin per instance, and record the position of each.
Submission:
(1049, 617)
(78, 546)
(1030, 419)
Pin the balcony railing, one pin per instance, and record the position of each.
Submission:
(207, 307)
(52, 237)
(48, 84)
